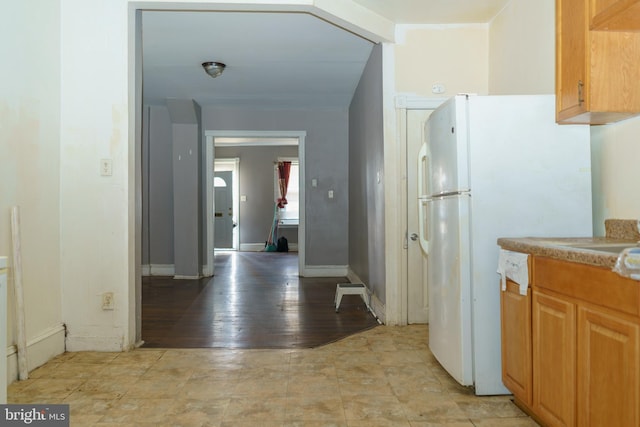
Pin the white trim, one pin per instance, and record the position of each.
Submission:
(40, 350)
(181, 276)
(158, 270)
(411, 102)
(251, 247)
(325, 271)
(93, 343)
(375, 305)
(210, 155)
(378, 306)
(261, 141)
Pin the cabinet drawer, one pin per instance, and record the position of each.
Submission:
(596, 285)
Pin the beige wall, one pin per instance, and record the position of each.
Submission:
(29, 174)
(453, 55)
(522, 49)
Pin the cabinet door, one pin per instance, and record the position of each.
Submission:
(516, 341)
(608, 370)
(554, 359)
(615, 15)
(571, 58)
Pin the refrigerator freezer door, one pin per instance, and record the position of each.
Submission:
(449, 285)
(446, 137)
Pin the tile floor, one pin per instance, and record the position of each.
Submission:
(385, 376)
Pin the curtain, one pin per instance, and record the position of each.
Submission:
(284, 168)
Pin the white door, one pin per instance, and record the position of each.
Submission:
(417, 300)
(223, 215)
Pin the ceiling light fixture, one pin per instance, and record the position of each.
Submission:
(214, 69)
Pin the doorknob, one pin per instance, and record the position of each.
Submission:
(414, 237)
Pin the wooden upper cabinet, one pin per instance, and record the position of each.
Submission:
(597, 72)
(571, 58)
(614, 15)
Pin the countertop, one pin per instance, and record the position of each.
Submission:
(622, 231)
(554, 248)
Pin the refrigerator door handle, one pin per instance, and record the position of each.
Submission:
(424, 243)
(423, 160)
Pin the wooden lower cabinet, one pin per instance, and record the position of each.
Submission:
(608, 384)
(571, 346)
(554, 360)
(516, 341)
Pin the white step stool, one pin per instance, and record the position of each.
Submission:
(351, 289)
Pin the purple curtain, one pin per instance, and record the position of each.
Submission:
(284, 168)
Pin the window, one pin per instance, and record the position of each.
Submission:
(289, 215)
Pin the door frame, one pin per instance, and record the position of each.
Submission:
(210, 136)
(403, 104)
(233, 165)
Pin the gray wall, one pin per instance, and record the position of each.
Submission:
(187, 186)
(256, 179)
(326, 159)
(366, 194)
(158, 184)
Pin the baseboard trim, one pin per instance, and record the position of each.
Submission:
(40, 350)
(377, 306)
(187, 277)
(251, 247)
(259, 247)
(378, 309)
(158, 270)
(80, 343)
(325, 271)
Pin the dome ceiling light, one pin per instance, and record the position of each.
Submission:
(214, 69)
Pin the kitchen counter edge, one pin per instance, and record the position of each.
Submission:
(557, 248)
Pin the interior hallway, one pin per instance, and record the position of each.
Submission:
(384, 376)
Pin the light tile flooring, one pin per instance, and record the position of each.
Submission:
(382, 377)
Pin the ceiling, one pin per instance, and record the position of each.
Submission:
(283, 60)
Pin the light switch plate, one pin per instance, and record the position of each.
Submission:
(106, 167)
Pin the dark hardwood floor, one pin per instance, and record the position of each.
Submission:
(254, 300)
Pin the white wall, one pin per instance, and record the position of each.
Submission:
(522, 61)
(522, 49)
(29, 173)
(96, 244)
(616, 172)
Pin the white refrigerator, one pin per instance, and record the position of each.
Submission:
(492, 166)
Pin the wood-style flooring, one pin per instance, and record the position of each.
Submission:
(254, 300)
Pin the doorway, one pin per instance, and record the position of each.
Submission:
(226, 200)
(414, 300)
(417, 299)
(251, 139)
